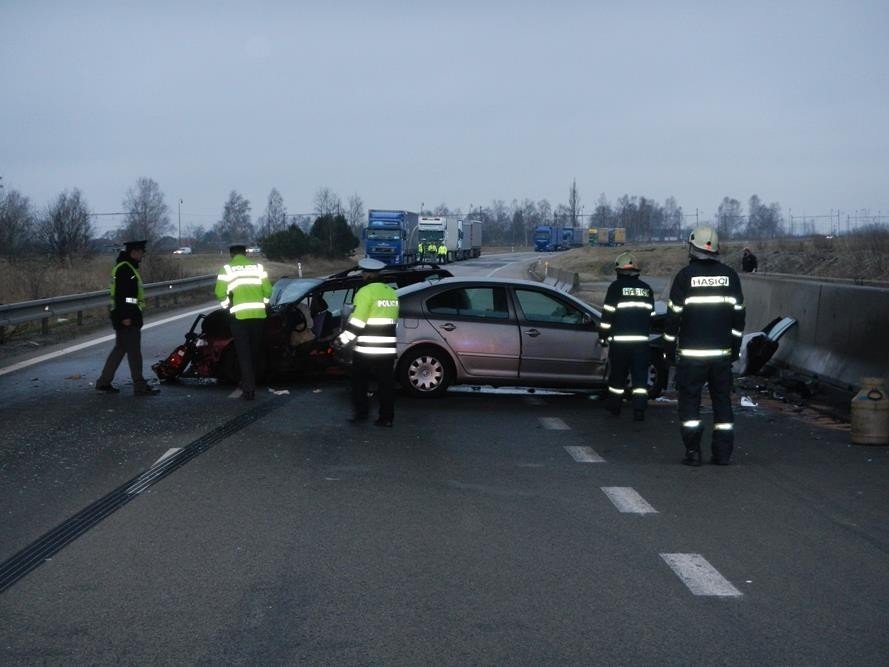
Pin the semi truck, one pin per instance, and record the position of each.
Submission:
(610, 236)
(547, 238)
(438, 230)
(572, 237)
(472, 238)
(388, 236)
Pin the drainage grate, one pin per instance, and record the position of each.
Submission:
(34, 555)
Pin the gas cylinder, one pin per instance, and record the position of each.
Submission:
(870, 414)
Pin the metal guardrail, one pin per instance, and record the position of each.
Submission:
(45, 309)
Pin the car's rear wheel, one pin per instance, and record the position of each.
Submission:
(426, 372)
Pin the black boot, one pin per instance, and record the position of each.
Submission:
(692, 458)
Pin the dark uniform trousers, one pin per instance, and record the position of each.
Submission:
(248, 345)
(127, 341)
(632, 356)
(381, 368)
(690, 380)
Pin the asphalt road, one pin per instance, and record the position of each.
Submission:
(484, 528)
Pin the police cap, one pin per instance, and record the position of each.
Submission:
(368, 264)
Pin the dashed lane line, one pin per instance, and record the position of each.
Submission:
(584, 454)
(554, 424)
(699, 576)
(627, 500)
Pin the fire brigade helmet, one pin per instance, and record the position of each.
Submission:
(626, 263)
(705, 240)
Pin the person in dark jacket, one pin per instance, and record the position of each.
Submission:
(626, 323)
(749, 263)
(127, 301)
(704, 327)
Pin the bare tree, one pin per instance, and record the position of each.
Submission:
(728, 218)
(574, 204)
(327, 202)
(604, 215)
(355, 214)
(442, 210)
(235, 225)
(275, 217)
(65, 228)
(16, 223)
(147, 215)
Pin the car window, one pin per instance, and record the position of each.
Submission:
(337, 298)
(540, 307)
(484, 302)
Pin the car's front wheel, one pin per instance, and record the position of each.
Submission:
(425, 371)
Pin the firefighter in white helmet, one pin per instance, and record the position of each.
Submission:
(704, 328)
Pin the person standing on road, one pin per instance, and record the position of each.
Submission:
(704, 327)
(243, 289)
(371, 328)
(127, 301)
(626, 323)
(749, 263)
(442, 253)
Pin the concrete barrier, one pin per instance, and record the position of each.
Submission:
(843, 328)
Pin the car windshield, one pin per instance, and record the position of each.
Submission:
(290, 290)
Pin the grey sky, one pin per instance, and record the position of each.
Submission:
(456, 102)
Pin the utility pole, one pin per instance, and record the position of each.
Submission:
(180, 222)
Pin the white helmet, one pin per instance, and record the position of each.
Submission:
(705, 240)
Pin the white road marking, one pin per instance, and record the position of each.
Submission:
(584, 454)
(700, 577)
(627, 500)
(237, 393)
(90, 343)
(554, 424)
(168, 454)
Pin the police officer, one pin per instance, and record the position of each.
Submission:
(704, 327)
(420, 250)
(443, 253)
(371, 328)
(127, 301)
(626, 323)
(243, 288)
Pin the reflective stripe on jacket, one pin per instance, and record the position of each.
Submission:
(127, 291)
(627, 312)
(706, 311)
(243, 288)
(372, 323)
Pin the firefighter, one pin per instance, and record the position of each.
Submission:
(127, 301)
(626, 323)
(243, 289)
(371, 329)
(704, 327)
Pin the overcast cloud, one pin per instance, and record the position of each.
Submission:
(455, 102)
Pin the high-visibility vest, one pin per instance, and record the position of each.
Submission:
(139, 299)
(243, 288)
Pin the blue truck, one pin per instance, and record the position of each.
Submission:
(547, 238)
(390, 236)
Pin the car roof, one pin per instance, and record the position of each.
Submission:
(481, 282)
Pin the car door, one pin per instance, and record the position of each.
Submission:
(560, 342)
(477, 326)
